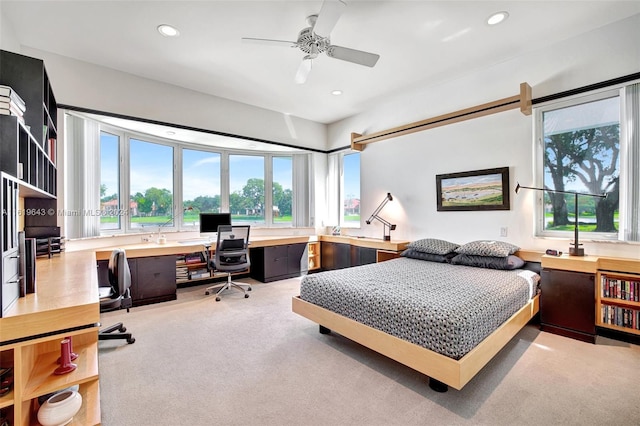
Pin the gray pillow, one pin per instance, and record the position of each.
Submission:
(433, 246)
(420, 255)
(490, 262)
(488, 248)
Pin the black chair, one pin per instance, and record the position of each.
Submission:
(231, 255)
(117, 295)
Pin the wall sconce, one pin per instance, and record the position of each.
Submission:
(575, 250)
(386, 235)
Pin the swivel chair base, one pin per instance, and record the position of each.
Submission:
(109, 333)
(228, 286)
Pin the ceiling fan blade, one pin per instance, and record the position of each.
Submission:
(351, 55)
(303, 70)
(269, 41)
(328, 17)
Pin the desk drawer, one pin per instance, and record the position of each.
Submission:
(10, 263)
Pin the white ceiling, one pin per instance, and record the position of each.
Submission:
(419, 43)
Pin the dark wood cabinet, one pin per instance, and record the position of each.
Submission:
(278, 262)
(567, 304)
(153, 279)
(362, 255)
(335, 255)
(339, 255)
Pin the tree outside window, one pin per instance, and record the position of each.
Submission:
(581, 154)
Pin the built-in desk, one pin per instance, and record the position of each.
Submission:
(66, 303)
(153, 266)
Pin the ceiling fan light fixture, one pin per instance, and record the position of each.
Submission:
(168, 30)
(497, 18)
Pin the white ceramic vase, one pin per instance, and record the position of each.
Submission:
(60, 408)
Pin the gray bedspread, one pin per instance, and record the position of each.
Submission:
(446, 308)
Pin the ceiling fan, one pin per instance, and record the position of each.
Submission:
(314, 40)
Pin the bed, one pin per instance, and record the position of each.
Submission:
(444, 320)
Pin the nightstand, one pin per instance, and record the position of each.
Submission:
(567, 298)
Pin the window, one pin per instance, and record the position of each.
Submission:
(151, 184)
(350, 190)
(246, 188)
(110, 210)
(282, 190)
(584, 146)
(200, 184)
(215, 173)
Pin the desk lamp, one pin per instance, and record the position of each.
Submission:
(386, 236)
(575, 250)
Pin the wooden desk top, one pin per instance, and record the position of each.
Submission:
(393, 245)
(66, 296)
(191, 246)
(591, 264)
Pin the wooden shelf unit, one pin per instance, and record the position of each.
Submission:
(315, 262)
(66, 304)
(610, 310)
(182, 266)
(612, 267)
(37, 360)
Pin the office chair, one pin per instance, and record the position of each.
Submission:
(117, 295)
(231, 255)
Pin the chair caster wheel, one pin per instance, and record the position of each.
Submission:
(206, 293)
(217, 299)
(249, 289)
(246, 296)
(122, 329)
(131, 341)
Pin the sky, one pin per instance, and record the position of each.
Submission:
(351, 164)
(151, 165)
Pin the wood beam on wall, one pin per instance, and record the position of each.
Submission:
(522, 101)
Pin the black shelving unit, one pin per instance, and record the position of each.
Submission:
(27, 158)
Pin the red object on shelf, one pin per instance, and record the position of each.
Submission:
(66, 366)
(74, 355)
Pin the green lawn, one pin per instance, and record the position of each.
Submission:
(190, 218)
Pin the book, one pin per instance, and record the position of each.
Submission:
(11, 101)
(10, 112)
(8, 92)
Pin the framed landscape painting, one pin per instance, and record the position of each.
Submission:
(476, 190)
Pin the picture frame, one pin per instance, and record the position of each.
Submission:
(486, 189)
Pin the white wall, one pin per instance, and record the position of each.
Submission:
(406, 166)
(86, 85)
(8, 40)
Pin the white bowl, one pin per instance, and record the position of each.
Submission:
(60, 408)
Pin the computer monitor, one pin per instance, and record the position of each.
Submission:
(209, 223)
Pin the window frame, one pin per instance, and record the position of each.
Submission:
(125, 137)
(539, 149)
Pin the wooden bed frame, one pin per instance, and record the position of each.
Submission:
(455, 373)
(447, 371)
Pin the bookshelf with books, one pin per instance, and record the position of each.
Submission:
(618, 301)
(28, 77)
(192, 266)
(28, 131)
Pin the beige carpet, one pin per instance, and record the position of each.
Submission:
(254, 362)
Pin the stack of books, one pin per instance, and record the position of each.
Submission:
(182, 273)
(11, 103)
(199, 273)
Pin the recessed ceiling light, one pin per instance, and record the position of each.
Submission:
(168, 31)
(497, 17)
(170, 132)
(336, 92)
